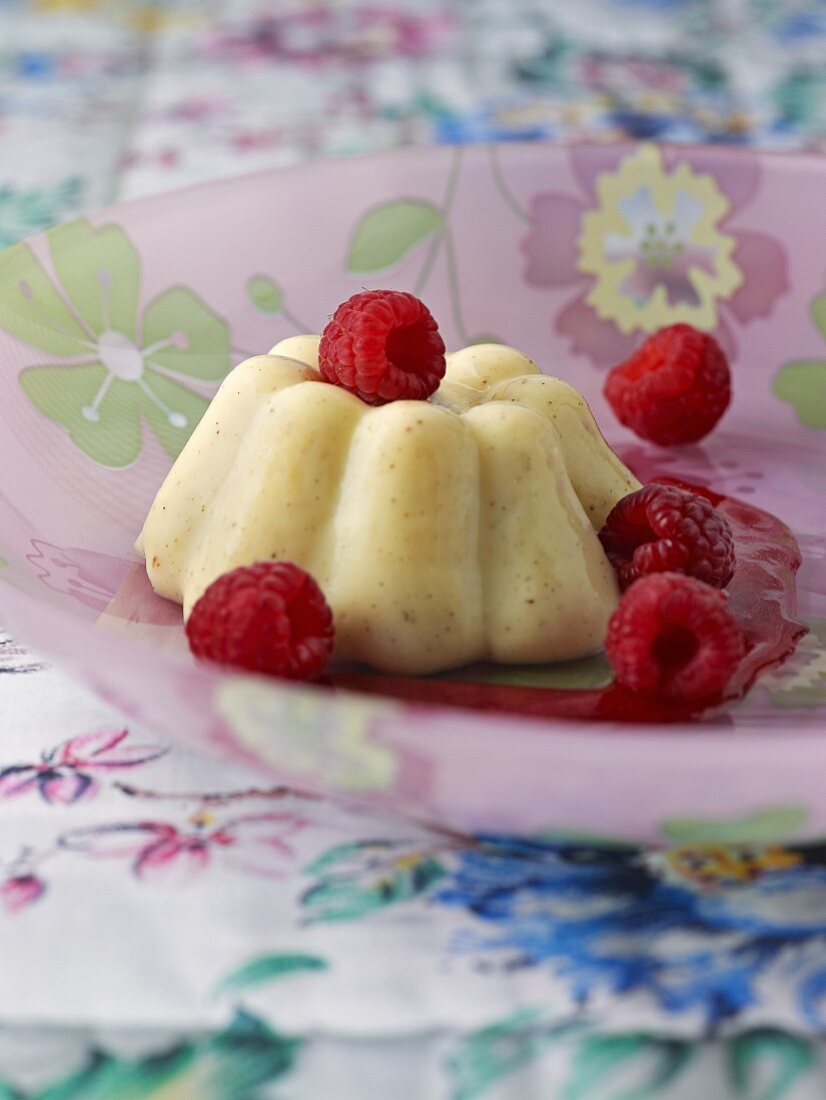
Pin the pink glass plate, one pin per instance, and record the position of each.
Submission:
(114, 332)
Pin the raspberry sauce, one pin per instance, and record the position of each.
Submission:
(762, 599)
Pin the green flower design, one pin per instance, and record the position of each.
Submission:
(803, 382)
(242, 1061)
(355, 879)
(117, 367)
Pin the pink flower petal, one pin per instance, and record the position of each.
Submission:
(272, 829)
(173, 862)
(17, 780)
(590, 161)
(100, 570)
(18, 892)
(105, 841)
(765, 269)
(725, 338)
(85, 575)
(135, 601)
(736, 171)
(257, 844)
(130, 755)
(551, 248)
(105, 749)
(64, 789)
(600, 340)
(80, 750)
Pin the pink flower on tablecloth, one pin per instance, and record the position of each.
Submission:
(195, 109)
(20, 891)
(87, 576)
(164, 855)
(321, 34)
(605, 72)
(62, 776)
(650, 239)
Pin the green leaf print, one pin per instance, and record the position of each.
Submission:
(388, 232)
(181, 334)
(357, 879)
(87, 262)
(105, 1077)
(232, 1065)
(781, 1056)
(349, 859)
(803, 382)
(651, 1063)
(269, 968)
(265, 294)
(553, 835)
(817, 310)
(763, 827)
(803, 385)
(498, 1050)
(63, 393)
(32, 310)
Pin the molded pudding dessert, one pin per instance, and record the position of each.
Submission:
(458, 529)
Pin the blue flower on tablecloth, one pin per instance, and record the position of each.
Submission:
(694, 930)
(35, 65)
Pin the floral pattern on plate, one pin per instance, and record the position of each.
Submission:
(650, 241)
(803, 382)
(117, 366)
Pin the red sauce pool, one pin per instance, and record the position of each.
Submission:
(761, 596)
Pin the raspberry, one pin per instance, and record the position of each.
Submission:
(383, 345)
(269, 617)
(674, 637)
(661, 529)
(674, 388)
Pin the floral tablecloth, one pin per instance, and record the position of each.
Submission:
(168, 927)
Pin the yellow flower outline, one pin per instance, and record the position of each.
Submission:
(645, 169)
